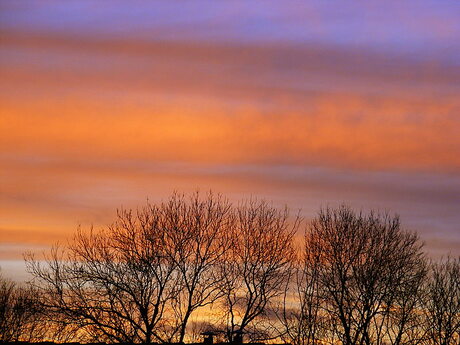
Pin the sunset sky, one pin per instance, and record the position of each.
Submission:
(107, 103)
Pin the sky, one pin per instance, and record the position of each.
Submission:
(105, 104)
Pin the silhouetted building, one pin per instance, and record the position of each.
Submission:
(238, 337)
(208, 337)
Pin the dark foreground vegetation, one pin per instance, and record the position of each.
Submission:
(168, 272)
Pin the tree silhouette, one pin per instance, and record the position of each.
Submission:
(359, 279)
(141, 278)
(442, 303)
(196, 237)
(256, 266)
(113, 284)
(20, 313)
(357, 268)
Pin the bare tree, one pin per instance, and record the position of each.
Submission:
(20, 313)
(400, 318)
(364, 263)
(196, 239)
(256, 266)
(140, 279)
(442, 303)
(300, 314)
(358, 280)
(115, 284)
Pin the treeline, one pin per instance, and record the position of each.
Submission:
(169, 271)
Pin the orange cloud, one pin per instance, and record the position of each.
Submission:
(330, 135)
(88, 124)
(196, 102)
